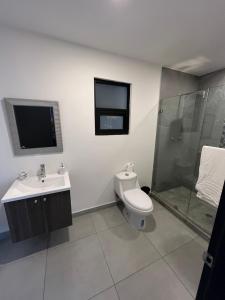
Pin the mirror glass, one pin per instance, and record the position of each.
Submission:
(36, 126)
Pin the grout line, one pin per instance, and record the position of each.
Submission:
(178, 247)
(110, 227)
(70, 243)
(183, 245)
(101, 246)
(99, 293)
(163, 255)
(44, 285)
(151, 243)
(178, 277)
(139, 270)
(115, 286)
(201, 244)
(117, 292)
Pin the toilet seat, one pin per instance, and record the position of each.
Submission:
(138, 200)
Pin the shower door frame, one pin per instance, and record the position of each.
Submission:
(182, 215)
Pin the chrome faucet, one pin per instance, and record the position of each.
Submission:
(42, 173)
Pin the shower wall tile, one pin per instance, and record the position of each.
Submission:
(165, 161)
(212, 79)
(213, 125)
(174, 83)
(222, 140)
(168, 111)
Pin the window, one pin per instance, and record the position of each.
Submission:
(111, 107)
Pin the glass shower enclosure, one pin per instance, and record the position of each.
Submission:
(186, 123)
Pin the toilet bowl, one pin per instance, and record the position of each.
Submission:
(137, 204)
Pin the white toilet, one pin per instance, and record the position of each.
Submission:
(138, 205)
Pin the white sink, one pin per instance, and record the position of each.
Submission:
(33, 186)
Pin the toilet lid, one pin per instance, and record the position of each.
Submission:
(138, 199)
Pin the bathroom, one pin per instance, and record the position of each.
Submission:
(97, 241)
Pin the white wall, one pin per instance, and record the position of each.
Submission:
(37, 67)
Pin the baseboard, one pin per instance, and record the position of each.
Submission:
(93, 209)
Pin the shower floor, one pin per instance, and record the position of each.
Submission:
(199, 212)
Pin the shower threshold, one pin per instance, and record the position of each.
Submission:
(184, 217)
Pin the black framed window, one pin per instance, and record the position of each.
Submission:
(112, 100)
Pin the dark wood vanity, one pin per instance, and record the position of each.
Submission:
(38, 215)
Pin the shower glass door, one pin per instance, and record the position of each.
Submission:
(213, 134)
(177, 149)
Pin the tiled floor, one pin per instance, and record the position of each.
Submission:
(186, 201)
(101, 257)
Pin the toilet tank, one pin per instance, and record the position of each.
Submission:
(124, 181)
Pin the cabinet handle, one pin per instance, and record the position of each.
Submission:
(35, 201)
(44, 199)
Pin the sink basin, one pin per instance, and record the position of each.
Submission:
(33, 186)
(34, 183)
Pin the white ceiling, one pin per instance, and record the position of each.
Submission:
(188, 35)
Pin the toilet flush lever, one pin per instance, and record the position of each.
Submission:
(130, 167)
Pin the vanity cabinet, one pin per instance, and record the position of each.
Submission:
(38, 215)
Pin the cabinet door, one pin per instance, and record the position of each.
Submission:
(37, 220)
(25, 218)
(58, 210)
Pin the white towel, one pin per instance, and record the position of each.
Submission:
(211, 175)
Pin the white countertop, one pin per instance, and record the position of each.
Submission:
(32, 186)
